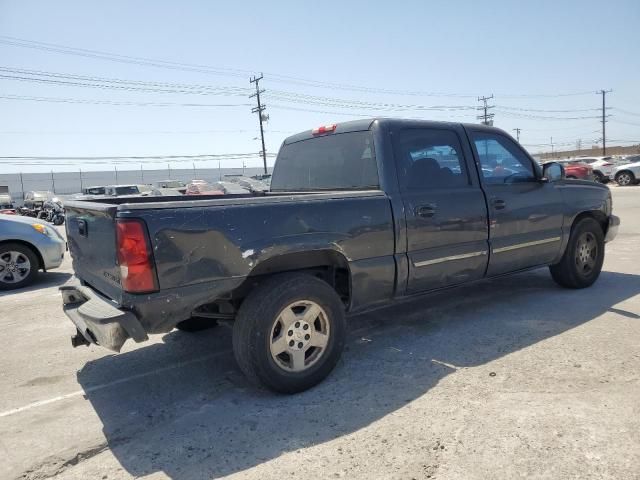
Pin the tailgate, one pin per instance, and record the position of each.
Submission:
(91, 235)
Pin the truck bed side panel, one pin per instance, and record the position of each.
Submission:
(208, 244)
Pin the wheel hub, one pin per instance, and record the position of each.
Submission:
(299, 335)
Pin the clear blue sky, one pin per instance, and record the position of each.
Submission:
(466, 48)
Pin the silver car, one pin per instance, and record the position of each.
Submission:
(26, 246)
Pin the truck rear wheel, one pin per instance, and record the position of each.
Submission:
(582, 261)
(289, 333)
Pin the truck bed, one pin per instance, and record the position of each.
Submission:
(210, 245)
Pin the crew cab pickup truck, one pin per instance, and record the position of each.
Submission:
(359, 214)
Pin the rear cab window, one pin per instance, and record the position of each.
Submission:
(339, 161)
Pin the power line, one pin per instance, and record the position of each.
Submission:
(239, 73)
(118, 102)
(626, 112)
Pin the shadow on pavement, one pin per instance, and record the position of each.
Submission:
(43, 280)
(202, 420)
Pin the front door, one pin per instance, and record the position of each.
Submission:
(525, 213)
(445, 210)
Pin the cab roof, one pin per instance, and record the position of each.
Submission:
(384, 122)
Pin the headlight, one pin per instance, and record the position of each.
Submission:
(44, 229)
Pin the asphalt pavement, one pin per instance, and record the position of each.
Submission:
(514, 377)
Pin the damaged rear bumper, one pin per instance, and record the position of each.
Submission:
(98, 320)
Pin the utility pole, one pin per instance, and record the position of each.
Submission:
(80, 179)
(604, 119)
(141, 174)
(579, 144)
(115, 169)
(194, 169)
(169, 170)
(219, 171)
(22, 185)
(486, 117)
(517, 130)
(53, 183)
(259, 109)
(552, 154)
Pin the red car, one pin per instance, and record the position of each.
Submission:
(578, 170)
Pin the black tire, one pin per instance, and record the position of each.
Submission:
(625, 178)
(25, 252)
(197, 324)
(599, 177)
(571, 271)
(254, 326)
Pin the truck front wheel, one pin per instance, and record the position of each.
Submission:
(582, 260)
(289, 332)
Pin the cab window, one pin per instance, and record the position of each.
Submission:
(430, 159)
(501, 160)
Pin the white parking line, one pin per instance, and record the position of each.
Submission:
(95, 388)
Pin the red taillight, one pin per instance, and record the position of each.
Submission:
(324, 129)
(134, 257)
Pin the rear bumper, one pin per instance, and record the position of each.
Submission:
(98, 319)
(612, 230)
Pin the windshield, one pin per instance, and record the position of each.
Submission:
(331, 162)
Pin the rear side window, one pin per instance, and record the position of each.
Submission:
(330, 162)
(430, 159)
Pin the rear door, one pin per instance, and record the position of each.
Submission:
(525, 214)
(445, 209)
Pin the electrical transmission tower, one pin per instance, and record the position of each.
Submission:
(604, 119)
(486, 117)
(261, 116)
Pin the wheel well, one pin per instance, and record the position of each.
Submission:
(626, 171)
(597, 215)
(30, 247)
(330, 266)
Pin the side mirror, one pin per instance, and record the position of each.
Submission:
(552, 172)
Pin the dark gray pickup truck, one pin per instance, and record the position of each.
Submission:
(360, 214)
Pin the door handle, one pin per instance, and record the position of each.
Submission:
(426, 211)
(499, 204)
(82, 227)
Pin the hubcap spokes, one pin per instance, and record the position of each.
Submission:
(299, 336)
(14, 267)
(586, 253)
